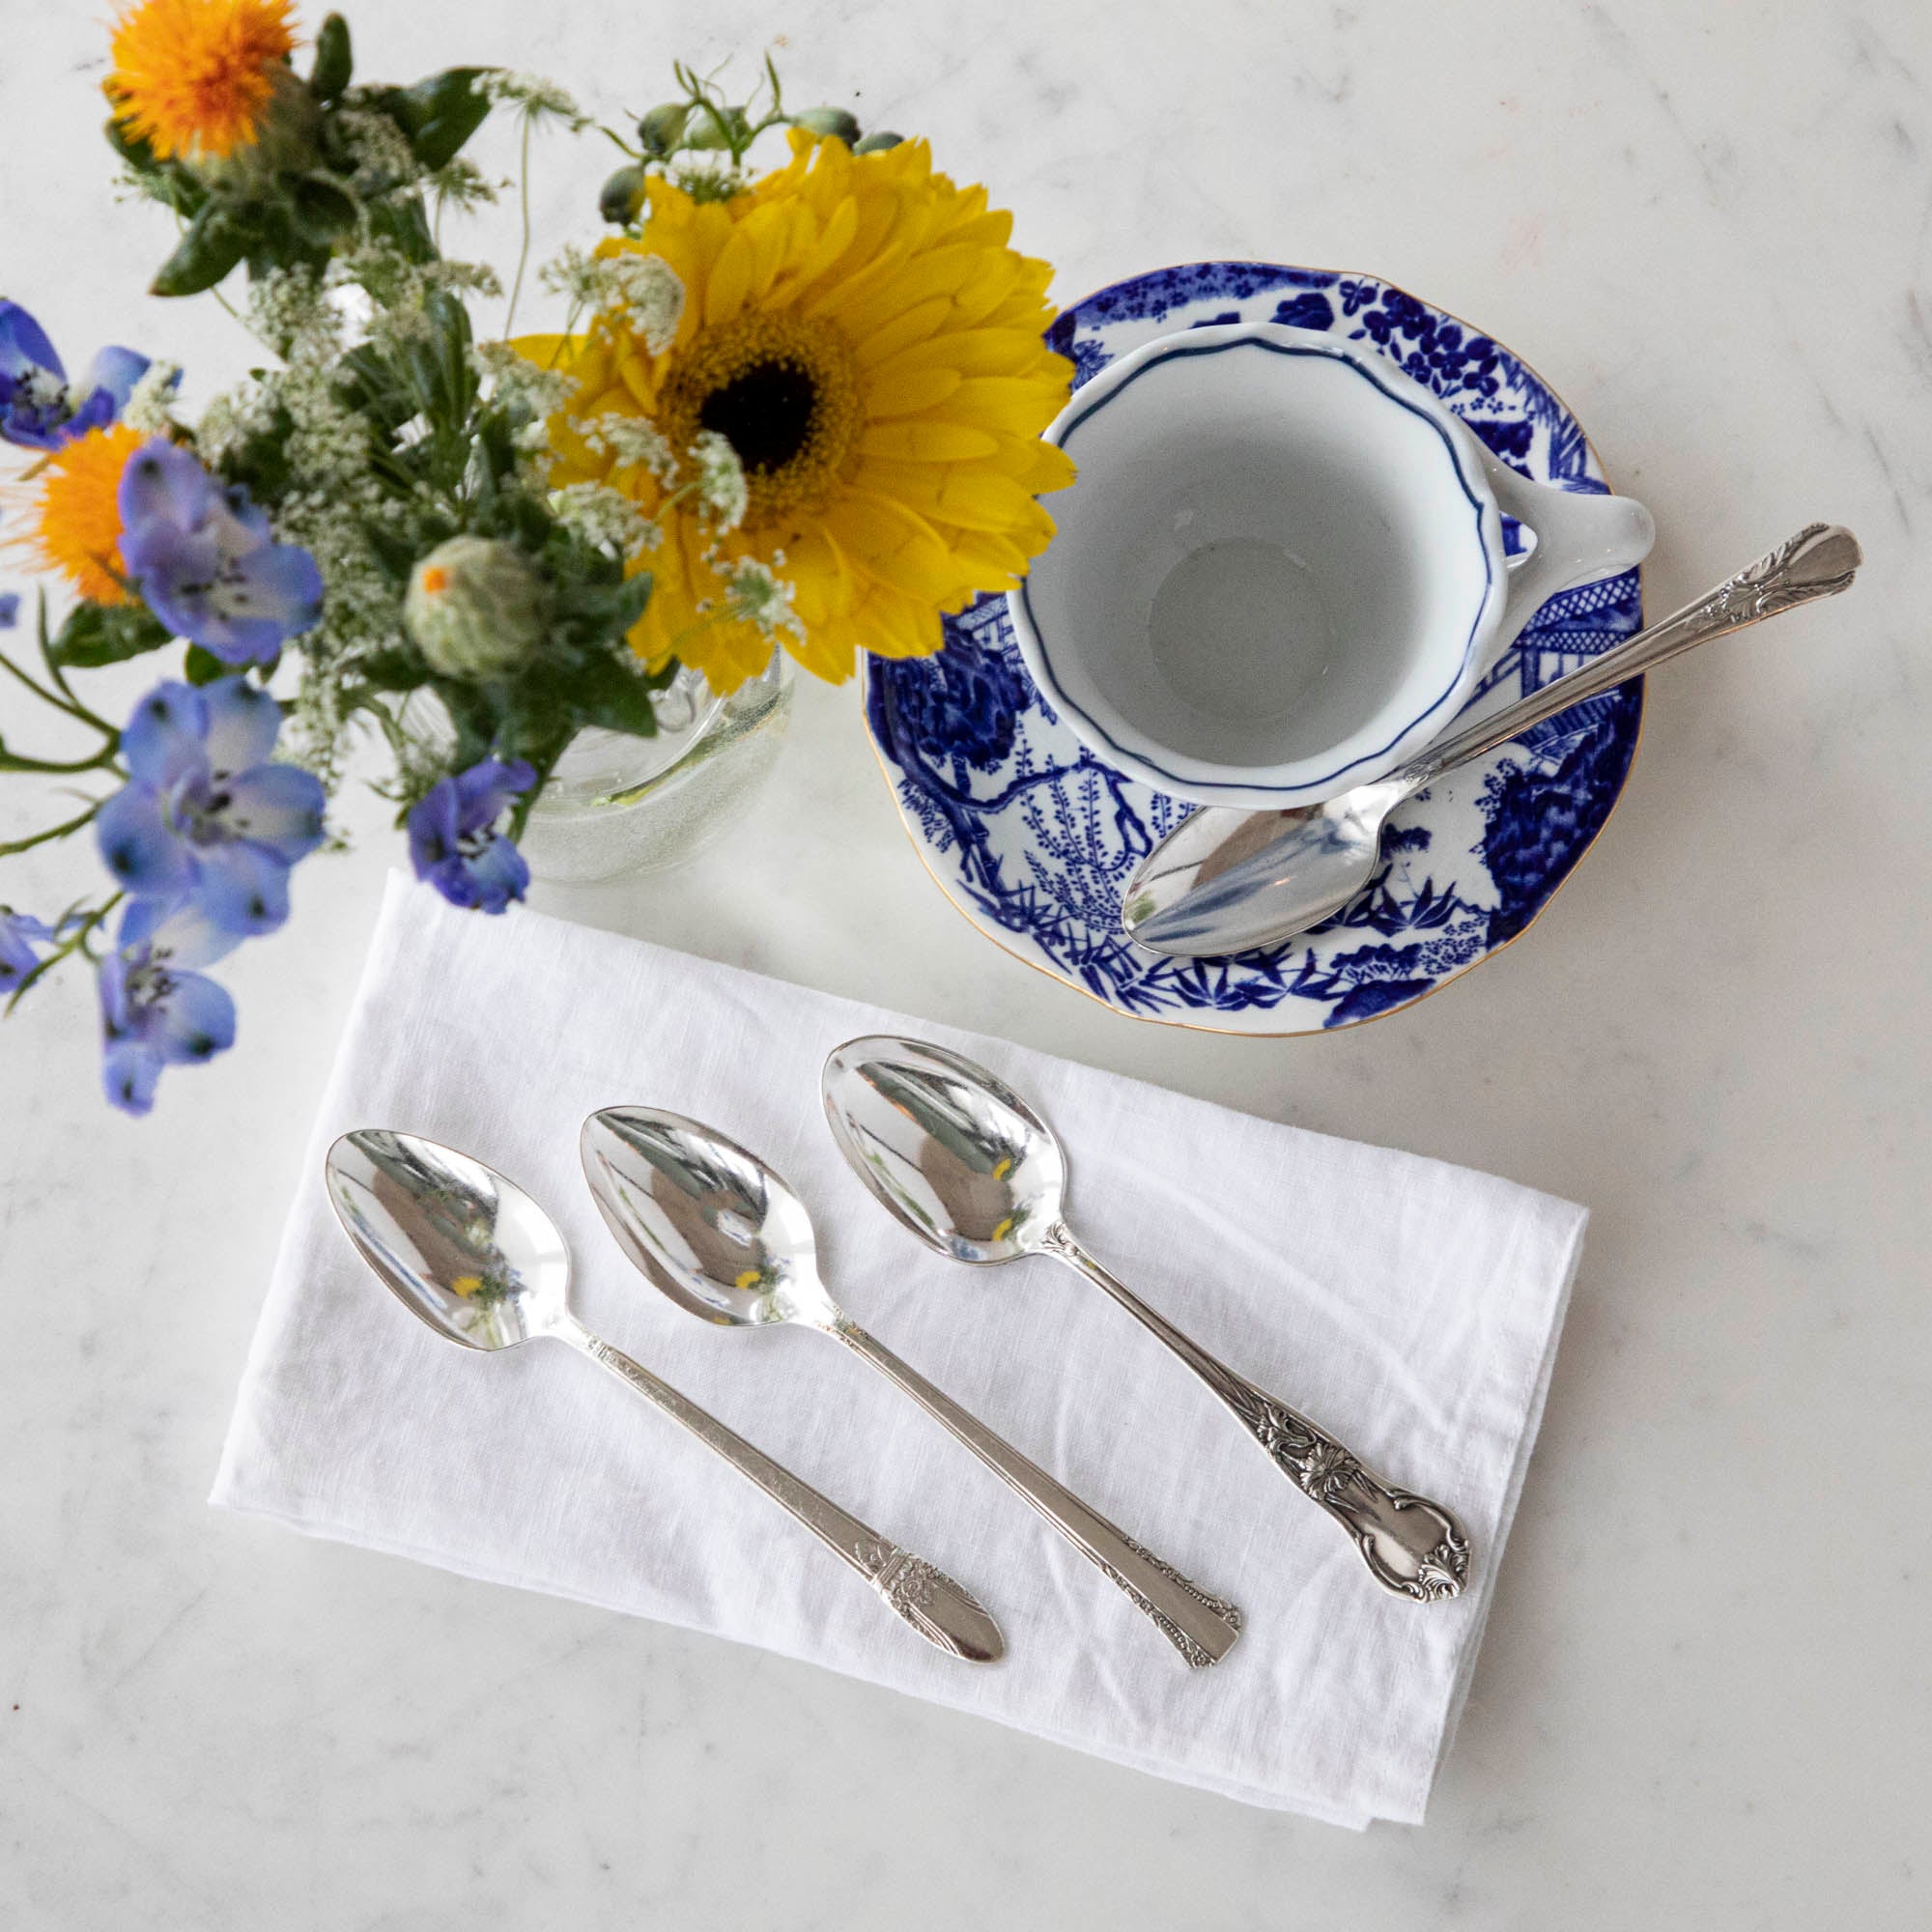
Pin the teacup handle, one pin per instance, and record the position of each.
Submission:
(1579, 538)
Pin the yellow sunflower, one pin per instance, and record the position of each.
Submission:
(194, 78)
(73, 512)
(858, 329)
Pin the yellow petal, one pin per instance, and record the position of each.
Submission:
(918, 440)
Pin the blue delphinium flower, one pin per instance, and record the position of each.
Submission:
(156, 1010)
(19, 935)
(10, 609)
(202, 556)
(38, 410)
(206, 818)
(453, 839)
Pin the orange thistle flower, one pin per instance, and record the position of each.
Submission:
(74, 513)
(192, 78)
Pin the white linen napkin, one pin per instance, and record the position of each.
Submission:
(1411, 1307)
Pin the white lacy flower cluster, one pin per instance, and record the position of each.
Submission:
(535, 96)
(721, 480)
(757, 594)
(150, 406)
(333, 502)
(634, 442)
(384, 159)
(520, 385)
(606, 518)
(643, 291)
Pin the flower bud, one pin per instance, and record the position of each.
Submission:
(833, 122)
(877, 144)
(661, 131)
(717, 127)
(621, 196)
(476, 608)
(288, 132)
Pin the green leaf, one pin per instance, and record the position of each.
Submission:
(392, 670)
(323, 209)
(203, 666)
(131, 148)
(406, 224)
(335, 62)
(215, 241)
(609, 694)
(102, 634)
(437, 115)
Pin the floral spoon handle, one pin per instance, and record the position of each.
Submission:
(1413, 1548)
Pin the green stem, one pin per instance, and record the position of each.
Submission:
(75, 942)
(523, 253)
(52, 832)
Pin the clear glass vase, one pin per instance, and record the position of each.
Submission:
(616, 804)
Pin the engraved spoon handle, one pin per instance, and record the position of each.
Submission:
(944, 1613)
(1819, 561)
(1412, 1547)
(1200, 1627)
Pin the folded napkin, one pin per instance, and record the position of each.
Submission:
(1411, 1307)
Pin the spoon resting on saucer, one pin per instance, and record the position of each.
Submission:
(470, 1253)
(723, 1236)
(1225, 881)
(953, 1153)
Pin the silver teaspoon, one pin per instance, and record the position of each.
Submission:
(1225, 881)
(957, 1156)
(718, 1232)
(473, 1255)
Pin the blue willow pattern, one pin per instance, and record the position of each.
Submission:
(1035, 838)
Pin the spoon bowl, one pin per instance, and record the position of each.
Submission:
(949, 1149)
(703, 1218)
(463, 1248)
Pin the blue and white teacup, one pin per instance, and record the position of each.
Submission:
(1281, 572)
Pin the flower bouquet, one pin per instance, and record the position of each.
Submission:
(794, 409)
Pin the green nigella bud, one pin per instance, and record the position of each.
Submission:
(877, 144)
(662, 129)
(717, 127)
(621, 196)
(476, 608)
(833, 121)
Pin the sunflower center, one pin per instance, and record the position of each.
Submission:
(784, 394)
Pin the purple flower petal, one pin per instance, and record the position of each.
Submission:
(498, 873)
(10, 609)
(162, 740)
(23, 344)
(130, 1072)
(243, 888)
(114, 371)
(277, 806)
(163, 481)
(243, 725)
(140, 846)
(195, 1020)
(176, 931)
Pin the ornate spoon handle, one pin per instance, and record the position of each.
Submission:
(1819, 561)
(1202, 1628)
(1412, 1547)
(944, 1613)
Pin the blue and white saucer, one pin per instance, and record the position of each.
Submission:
(1034, 839)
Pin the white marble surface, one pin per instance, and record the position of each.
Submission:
(1704, 1696)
